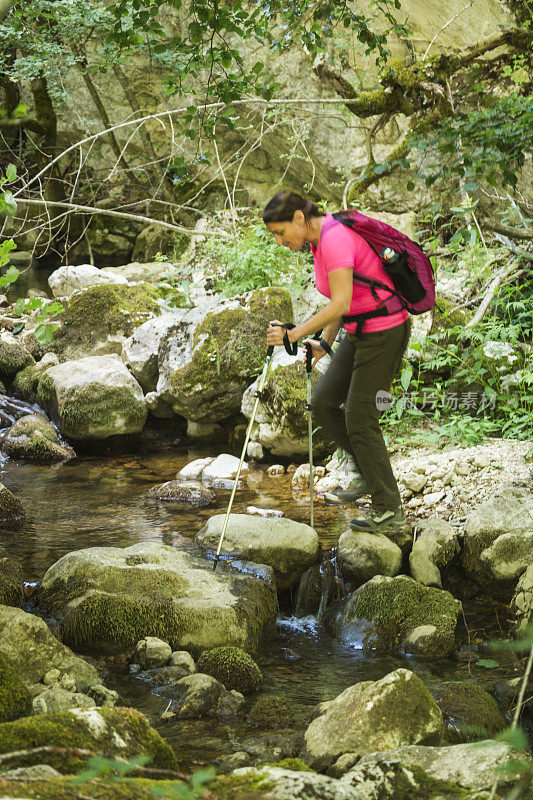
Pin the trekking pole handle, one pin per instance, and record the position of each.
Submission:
(290, 347)
(308, 357)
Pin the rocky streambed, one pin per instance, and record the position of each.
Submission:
(383, 682)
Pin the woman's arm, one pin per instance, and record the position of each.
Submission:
(329, 317)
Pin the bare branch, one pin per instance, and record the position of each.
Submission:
(444, 28)
(513, 248)
(502, 273)
(518, 37)
(516, 233)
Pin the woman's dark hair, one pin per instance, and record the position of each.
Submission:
(282, 206)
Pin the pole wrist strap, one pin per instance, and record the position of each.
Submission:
(325, 346)
(290, 347)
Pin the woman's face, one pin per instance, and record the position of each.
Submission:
(291, 234)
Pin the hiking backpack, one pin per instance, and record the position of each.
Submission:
(407, 266)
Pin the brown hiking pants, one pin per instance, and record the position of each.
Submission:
(361, 368)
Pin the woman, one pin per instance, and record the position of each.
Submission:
(363, 365)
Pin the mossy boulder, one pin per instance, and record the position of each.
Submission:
(15, 700)
(233, 667)
(34, 438)
(26, 381)
(272, 711)
(281, 418)
(111, 731)
(497, 542)
(11, 583)
(98, 318)
(391, 614)
(469, 711)
(374, 715)
(100, 788)
(12, 512)
(287, 546)
(205, 370)
(93, 398)
(29, 645)
(13, 356)
(109, 597)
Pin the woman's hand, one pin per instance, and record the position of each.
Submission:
(275, 333)
(316, 349)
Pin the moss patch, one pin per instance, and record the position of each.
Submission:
(233, 667)
(108, 620)
(272, 712)
(12, 512)
(397, 606)
(15, 700)
(63, 789)
(285, 398)
(233, 787)
(25, 383)
(469, 711)
(85, 731)
(11, 584)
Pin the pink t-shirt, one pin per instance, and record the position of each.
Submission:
(340, 247)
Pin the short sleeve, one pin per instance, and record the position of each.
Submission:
(338, 248)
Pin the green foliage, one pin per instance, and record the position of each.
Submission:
(252, 260)
(45, 313)
(8, 205)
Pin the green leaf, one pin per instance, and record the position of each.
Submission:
(488, 663)
(44, 333)
(20, 111)
(10, 276)
(11, 172)
(410, 186)
(405, 379)
(9, 204)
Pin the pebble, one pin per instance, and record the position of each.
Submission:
(51, 677)
(462, 468)
(275, 470)
(264, 512)
(415, 482)
(432, 498)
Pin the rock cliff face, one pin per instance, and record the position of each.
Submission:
(312, 148)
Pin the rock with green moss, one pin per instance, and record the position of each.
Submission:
(374, 715)
(288, 547)
(12, 512)
(461, 771)
(124, 732)
(93, 398)
(97, 319)
(113, 597)
(272, 711)
(206, 365)
(13, 356)
(15, 700)
(34, 438)
(391, 614)
(11, 583)
(436, 546)
(281, 420)
(27, 642)
(233, 667)
(497, 546)
(26, 381)
(469, 711)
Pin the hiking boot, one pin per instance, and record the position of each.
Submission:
(356, 489)
(376, 521)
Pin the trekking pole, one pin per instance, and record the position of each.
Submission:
(308, 359)
(258, 396)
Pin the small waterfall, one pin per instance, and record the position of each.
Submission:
(11, 409)
(319, 585)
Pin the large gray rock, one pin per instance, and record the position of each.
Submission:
(34, 438)
(277, 783)
(281, 419)
(474, 766)
(141, 350)
(109, 596)
(288, 547)
(436, 545)
(136, 271)
(93, 398)
(363, 555)
(66, 280)
(56, 699)
(31, 647)
(196, 695)
(152, 652)
(387, 614)
(496, 565)
(374, 715)
(210, 359)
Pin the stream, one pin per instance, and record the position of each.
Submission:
(101, 500)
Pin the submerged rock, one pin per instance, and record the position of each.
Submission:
(436, 546)
(34, 438)
(111, 731)
(363, 555)
(27, 642)
(390, 614)
(288, 547)
(190, 492)
(469, 710)
(110, 596)
(374, 715)
(93, 398)
(271, 711)
(233, 667)
(12, 512)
